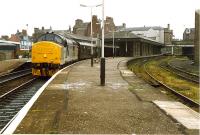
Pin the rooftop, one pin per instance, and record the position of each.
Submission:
(144, 28)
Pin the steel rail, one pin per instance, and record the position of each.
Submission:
(12, 76)
(13, 101)
(16, 88)
(186, 99)
(14, 72)
(185, 72)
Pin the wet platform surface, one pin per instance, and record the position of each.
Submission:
(74, 102)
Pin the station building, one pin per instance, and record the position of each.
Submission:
(8, 49)
(128, 44)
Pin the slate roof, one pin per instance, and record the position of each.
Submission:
(129, 35)
(82, 25)
(7, 44)
(75, 36)
(121, 34)
(144, 28)
(191, 30)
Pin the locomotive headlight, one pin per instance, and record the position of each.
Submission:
(45, 55)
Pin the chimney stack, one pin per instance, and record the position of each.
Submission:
(168, 26)
(124, 25)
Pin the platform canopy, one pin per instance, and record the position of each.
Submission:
(128, 36)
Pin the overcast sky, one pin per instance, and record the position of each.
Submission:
(59, 14)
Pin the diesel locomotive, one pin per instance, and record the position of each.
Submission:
(52, 51)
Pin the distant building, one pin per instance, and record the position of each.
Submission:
(188, 34)
(109, 25)
(38, 32)
(62, 32)
(80, 27)
(8, 50)
(4, 37)
(197, 37)
(168, 35)
(25, 43)
(96, 27)
(14, 38)
(121, 27)
(84, 28)
(23, 38)
(157, 33)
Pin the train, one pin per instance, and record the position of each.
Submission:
(53, 51)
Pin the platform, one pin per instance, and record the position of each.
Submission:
(7, 66)
(183, 114)
(74, 102)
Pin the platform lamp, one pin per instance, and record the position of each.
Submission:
(27, 42)
(91, 32)
(113, 37)
(102, 66)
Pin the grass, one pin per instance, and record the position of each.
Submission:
(189, 89)
(184, 87)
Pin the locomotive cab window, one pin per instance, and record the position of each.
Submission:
(52, 37)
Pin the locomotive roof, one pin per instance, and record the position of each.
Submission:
(61, 41)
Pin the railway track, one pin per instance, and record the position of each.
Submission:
(140, 73)
(181, 73)
(14, 75)
(185, 74)
(14, 100)
(148, 77)
(179, 95)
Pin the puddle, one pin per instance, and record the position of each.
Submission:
(116, 86)
(70, 86)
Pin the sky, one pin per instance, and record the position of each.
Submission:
(60, 14)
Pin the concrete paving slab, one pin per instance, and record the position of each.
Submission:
(127, 73)
(76, 103)
(183, 114)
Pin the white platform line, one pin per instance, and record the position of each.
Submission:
(13, 124)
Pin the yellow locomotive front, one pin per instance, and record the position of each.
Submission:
(46, 58)
(51, 52)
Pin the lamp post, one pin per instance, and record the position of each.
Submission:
(126, 49)
(113, 36)
(126, 43)
(102, 71)
(113, 44)
(91, 31)
(27, 41)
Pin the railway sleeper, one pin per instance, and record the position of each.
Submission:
(4, 117)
